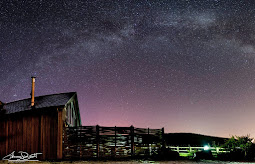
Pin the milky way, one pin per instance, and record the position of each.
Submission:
(184, 65)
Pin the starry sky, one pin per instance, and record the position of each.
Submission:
(185, 65)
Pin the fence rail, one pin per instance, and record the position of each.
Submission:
(117, 142)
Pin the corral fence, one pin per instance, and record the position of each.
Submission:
(85, 142)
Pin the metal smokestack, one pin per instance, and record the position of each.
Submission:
(33, 92)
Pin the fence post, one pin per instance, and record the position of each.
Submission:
(163, 138)
(115, 143)
(80, 142)
(132, 140)
(75, 140)
(149, 141)
(97, 140)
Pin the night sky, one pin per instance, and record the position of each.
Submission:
(186, 65)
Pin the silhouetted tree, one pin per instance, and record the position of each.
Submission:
(231, 143)
(244, 143)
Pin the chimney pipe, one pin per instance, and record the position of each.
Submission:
(33, 92)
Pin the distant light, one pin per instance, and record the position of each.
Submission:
(206, 147)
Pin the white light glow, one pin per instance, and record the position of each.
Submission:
(206, 147)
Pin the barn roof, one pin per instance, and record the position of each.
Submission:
(40, 102)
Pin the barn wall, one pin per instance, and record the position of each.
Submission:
(32, 132)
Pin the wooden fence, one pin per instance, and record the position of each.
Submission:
(85, 142)
(186, 151)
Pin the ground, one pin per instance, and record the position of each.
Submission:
(135, 162)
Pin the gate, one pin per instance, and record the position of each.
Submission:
(85, 142)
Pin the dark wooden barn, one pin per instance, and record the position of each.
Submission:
(35, 125)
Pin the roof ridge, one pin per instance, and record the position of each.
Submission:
(39, 97)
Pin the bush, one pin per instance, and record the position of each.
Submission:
(167, 154)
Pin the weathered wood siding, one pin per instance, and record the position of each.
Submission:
(32, 132)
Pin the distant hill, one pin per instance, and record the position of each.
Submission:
(185, 139)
